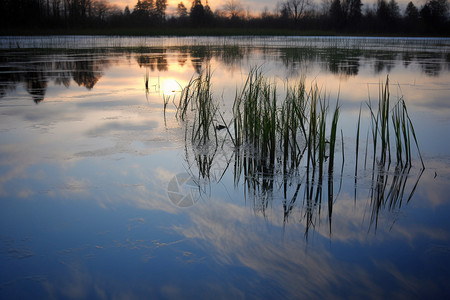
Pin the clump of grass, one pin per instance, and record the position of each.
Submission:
(255, 117)
(198, 96)
(286, 143)
(318, 108)
(282, 131)
(292, 125)
(403, 134)
(402, 128)
(276, 132)
(391, 131)
(276, 138)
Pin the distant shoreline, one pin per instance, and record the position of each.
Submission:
(199, 32)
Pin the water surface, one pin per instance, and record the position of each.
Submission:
(102, 196)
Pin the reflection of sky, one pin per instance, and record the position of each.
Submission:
(85, 211)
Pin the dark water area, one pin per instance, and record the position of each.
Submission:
(103, 194)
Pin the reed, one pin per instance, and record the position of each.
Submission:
(292, 125)
(276, 138)
(390, 190)
(391, 131)
(146, 79)
(357, 142)
(402, 131)
(408, 123)
(187, 93)
(255, 116)
(383, 112)
(334, 123)
(280, 131)
(199, 97)
(322, 155)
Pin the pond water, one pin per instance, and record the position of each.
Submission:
(104, 195)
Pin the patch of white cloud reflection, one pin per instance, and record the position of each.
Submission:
(434, 183)
(236, 236)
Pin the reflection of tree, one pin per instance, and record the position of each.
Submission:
(36, 85)
(182, 56)
(232, 55)
(431, 69)
(146, 61)
(156, 59)
(431, 64)
(384, 62)
(86, 73)
(337, 61)
(86, 68)
(407, 58)
(161, 63)
(35, 70)
(8, 76)
(293, 57)
(200, 56)
(347, 61)
(344, 62)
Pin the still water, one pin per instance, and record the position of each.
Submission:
(103, 195)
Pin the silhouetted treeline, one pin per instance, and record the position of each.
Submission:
(348, 16)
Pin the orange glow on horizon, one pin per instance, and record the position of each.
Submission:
(254, 6)
(171, 4)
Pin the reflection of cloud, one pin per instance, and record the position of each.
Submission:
(78, 283)
(109, 127)
(412, 232)
(411, 287)
(25, 193)
(75, 185)
(234, 237)
(352, 221)
(151, 195)
(12, 157)
(434, 184)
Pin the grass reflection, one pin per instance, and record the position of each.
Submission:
(285, 148)
(389, 190)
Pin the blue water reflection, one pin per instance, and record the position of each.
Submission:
(102, 196)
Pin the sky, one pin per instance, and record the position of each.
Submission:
(255, 6)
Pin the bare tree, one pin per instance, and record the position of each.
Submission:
(100, 8)
(233, 8)
(85, 7)
(296, 9)
(56, 7)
